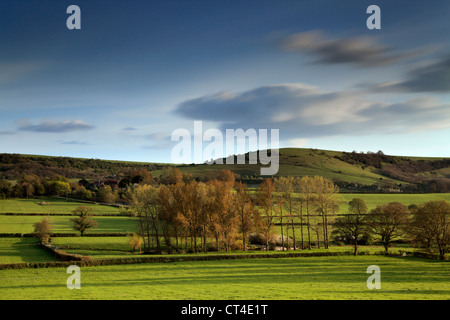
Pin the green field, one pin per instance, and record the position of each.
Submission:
(18, 250)
(372, 200)
(331, 277)
(52, 206)
(63, 224)
(341, 277)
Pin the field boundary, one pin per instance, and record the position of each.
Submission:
(61, 234)
(60, 214)
(86, 261)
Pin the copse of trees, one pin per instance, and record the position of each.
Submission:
(186, 213)
(427, 225)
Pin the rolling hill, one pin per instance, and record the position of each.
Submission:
(351, 171)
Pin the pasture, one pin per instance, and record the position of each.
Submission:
(372, 200)
(18, 250)
(46, 205)
(342, 277)
(302, 278)
(63, 224)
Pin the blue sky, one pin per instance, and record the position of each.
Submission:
(137, 70)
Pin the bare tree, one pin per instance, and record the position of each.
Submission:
(248, 216)
(433, 220)
(388, 221)
(353, 224)
(285, 185)
(84, 220)
(266, 202)
(145, 202)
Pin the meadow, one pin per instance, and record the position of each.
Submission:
(47, 205)
(372, 200)
(63, 224)
(287, 278)
(342, 277)
(18, 250)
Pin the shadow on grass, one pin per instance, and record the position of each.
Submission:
(25, 250)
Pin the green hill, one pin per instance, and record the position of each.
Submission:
(352, 171)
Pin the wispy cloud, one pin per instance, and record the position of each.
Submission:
(7, 132)
(302, 111)
(159, 141)
(356, 50)
(129, 129)
(434, 77)
(15, 70)
(74, 142)
(54, 126)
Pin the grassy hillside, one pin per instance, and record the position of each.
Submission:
(370, 172)
(351, 171)
(300, 162)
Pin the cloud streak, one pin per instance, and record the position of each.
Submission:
(73, 142)
(301, 111)
(54, 126)
(434, 77)
(361, 51)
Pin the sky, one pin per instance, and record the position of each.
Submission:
(137, 71)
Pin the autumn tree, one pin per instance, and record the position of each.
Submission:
(325, 203)
(248, 217)
(266, 200)
(30, 185)
(145, 203)
(168, 216)
(171, 175)
(227, 176)
(307, 197)
(43, 229)
(84, 221)
(286, 188)
(80, 192)
(389, 222)
(221, 216)
(136, 242)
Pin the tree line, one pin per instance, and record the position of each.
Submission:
(184, 215)
(176, 212)
(187, 213)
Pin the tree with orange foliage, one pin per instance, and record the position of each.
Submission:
(266, 200)
(249, 218)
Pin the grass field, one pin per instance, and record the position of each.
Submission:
(117, 247)
(372, 200)
(341, 277)
(24, 224)
(53, 206)
(18, 250)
